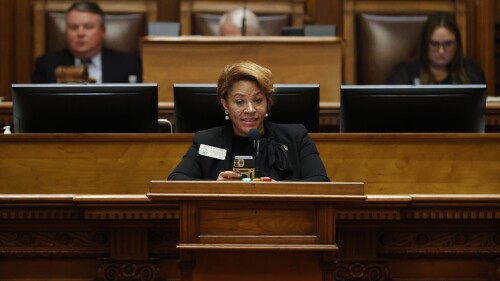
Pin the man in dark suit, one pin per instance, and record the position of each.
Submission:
(85, 32)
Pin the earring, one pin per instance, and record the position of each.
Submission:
(227, 114)
(266, 115)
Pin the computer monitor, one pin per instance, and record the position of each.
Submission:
(292, 31)
(197, 108)
(320, 30)
(310, 30)
(85, 108)
(422, 108)
(162, 28)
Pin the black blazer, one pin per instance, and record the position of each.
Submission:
(116, 66)
(406, 72)
(302, 154)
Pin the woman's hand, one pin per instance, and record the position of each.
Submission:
(228, 176)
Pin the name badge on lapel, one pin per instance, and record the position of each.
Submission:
(212, 151)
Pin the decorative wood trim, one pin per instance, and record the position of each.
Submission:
(361, 271)
(107, 213)
(139, 270)
(364, 214)
(35, 241)
(368, 249)
(438, 242)
(452, 214)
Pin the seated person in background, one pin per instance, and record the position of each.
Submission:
(231, 23)
(245, 91)
(85, 33)
(441, 59)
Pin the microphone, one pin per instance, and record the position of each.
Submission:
(244, 19)
(254, 136)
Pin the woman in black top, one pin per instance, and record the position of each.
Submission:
(441, 58)
(287, 153)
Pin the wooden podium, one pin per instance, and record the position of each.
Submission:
(257, 230)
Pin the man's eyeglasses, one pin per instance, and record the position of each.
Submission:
(447, 45)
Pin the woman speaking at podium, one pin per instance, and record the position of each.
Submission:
(250, 147)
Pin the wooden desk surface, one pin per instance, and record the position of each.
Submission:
(200, 59)
(126, 163)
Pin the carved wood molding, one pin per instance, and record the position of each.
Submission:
(440, 243)
(142, 270)
(424, 207)
(368, 214)
(419, 214)
(23, 243)
(453, 214)
(359, 271)
(131, 214)
(38, 214)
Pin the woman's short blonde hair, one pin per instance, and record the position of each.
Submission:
(246, 71)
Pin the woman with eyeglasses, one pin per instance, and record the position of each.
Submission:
(441, 59)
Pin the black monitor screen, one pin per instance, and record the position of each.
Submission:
(197, 108)
(423, 108)
(85, 108)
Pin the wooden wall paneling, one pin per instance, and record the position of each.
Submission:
(325, 12)
(415, 237)
(23, 41)
(497, 11)
(386, 163)
(497, 47)
(414, 250)
(470, 27)
(168, 10)
(309, 11)
(485, 41)
(479, 39)
(6, 46)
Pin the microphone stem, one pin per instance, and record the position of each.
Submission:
(244, 19)
(257, 159)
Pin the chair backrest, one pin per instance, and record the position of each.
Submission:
(381, 33)
(270, 25)
(125, 20)
(382, 42)
(202, 16)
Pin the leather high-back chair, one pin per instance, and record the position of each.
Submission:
(381, 33)
(384, 41)
(125, 20)
(201, 16)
